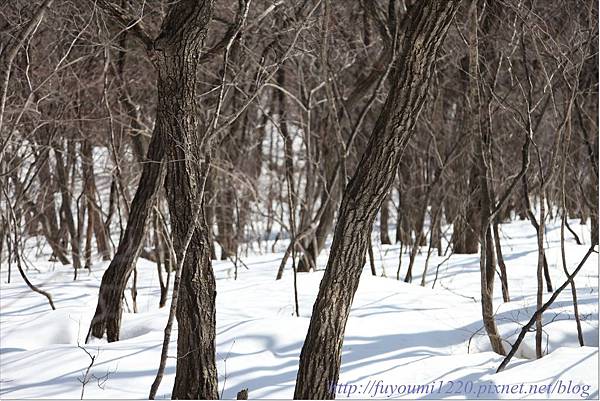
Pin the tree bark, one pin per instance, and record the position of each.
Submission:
(501, 263)
(9, 53)
(94, 218)
(321, 354)
(186, 142)
(224, 213)
(480, 131)
(66, 210)
(330, 194)
(47, 210)
(384, 216)
(107, 317)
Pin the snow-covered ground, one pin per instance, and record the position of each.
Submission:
(402, 340)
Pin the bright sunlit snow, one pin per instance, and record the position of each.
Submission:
(398, 334)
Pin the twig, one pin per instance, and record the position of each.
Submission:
(541, 310)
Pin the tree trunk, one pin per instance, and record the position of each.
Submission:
(209, 212)
(321, 354)
(501, 263)
(537, 226)
(540, 280)
(436, 235)
(402, 216)
(66, 210)
(48, 212)
(107, 317)
(325, 226)
(94, 218)
(465, 236)
(594, 228)
(187, 143)
(384, 216)
(159, 251)
(224, 213)
(481, 134)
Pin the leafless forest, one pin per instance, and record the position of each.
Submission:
(191, 131)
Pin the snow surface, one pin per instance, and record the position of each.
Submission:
(398, 334)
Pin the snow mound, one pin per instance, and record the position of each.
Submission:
(402, 340)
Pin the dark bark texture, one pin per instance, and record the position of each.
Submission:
(107, 318)
(187, 144)
(321, 354)
(177, 136)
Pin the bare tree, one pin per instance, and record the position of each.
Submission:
(321, 353)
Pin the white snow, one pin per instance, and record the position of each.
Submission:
(399, 335)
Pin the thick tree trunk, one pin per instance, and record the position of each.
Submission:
(178, 133)
(321, 354)
(186, 141)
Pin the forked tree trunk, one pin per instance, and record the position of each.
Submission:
(178, 132)
(187, 143)
(321, 354)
